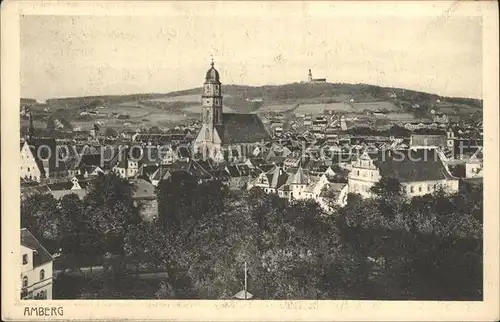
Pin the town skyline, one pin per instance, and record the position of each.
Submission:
(113, 57)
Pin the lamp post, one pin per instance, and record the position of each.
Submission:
(244, 294)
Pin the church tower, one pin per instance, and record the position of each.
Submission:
(212, 117)
(310, 76)
(220, 133)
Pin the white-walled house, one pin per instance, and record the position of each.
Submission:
(30, 167)
(74, 186)
(474, 168)
(36, 268)
(420, 172)
(298, 184)
(128, 163)
(39, 159)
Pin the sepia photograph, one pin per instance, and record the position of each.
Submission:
(208, 153)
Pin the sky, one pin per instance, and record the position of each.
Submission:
(67, 56)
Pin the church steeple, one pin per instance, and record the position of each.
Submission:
(211, 97)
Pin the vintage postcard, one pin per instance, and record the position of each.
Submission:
(250, 160)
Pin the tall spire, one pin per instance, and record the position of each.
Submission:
(31, 128)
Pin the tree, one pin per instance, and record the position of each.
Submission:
(111, 209)
(40, 214)
(387, 187)
(76, 229)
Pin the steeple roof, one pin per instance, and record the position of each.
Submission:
(212, 74)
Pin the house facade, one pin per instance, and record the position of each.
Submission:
(420, 172)
(36, 268)
(299, 184)
(30, 167)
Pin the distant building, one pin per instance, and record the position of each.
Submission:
(445, 118)
(36, 268)
(420, 171)
(312, 80)
(128, 164)
(190, 167)
(427, 140)
(238, 175)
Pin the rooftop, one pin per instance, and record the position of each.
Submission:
(40, 254)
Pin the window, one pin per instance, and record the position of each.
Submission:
(429, 187)
(419, 189)
(28, 169)
(25, 259)
(411, 189)
(25, 281)
(42, 275)
(42, 295)
(357, 173)
(207, 89)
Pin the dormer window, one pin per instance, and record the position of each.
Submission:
(25, 259)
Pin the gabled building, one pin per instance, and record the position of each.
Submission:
(298, 184)
(270, 180)
(38, 159)
(420, 171)
(63, 188)
(191, 167)
(238, 176)
(36, 268)
(129, 162)
(277, 154)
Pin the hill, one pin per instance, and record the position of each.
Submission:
(182, 106)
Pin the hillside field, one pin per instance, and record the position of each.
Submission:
(182, 106)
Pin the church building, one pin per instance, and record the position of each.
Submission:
(224, 134)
